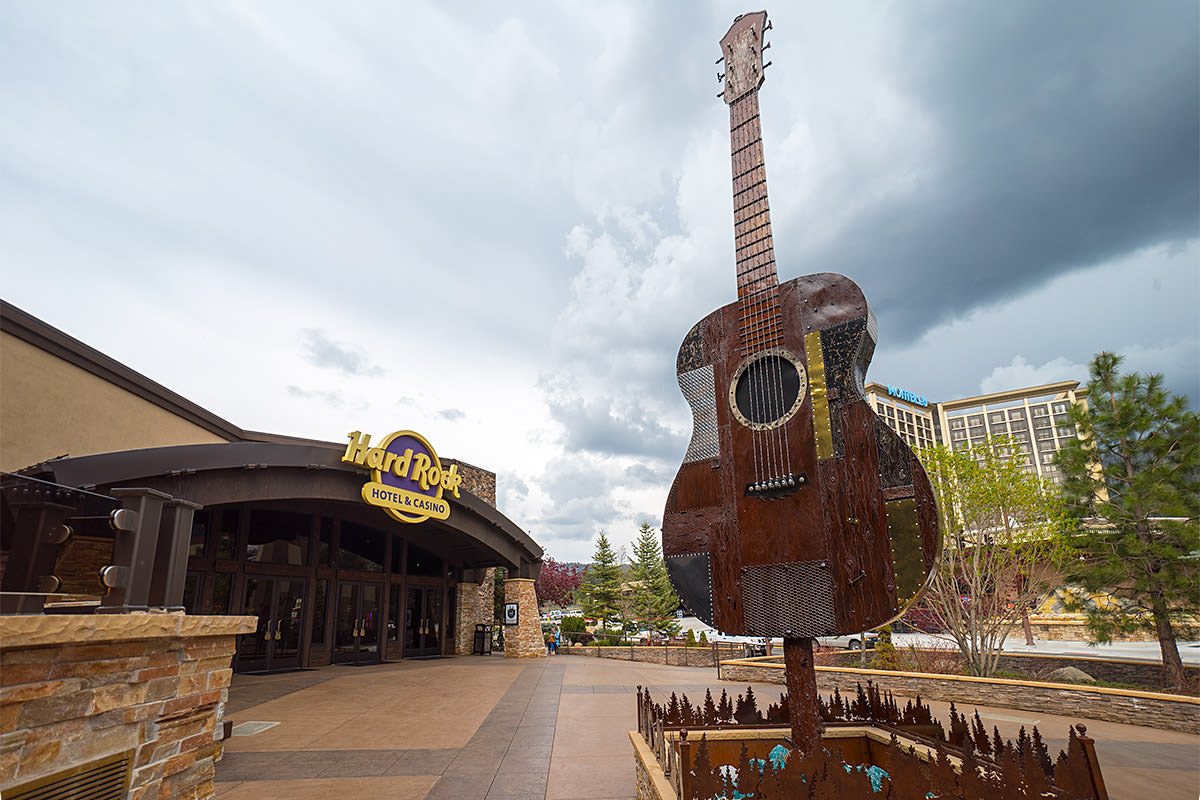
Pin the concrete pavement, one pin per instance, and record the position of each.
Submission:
(554, 728)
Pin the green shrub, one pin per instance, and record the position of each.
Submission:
(885, 656)
(703, 639)
(690, 639)
(573, 625)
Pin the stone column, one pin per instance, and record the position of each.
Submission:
(470, 612)
(523, 640)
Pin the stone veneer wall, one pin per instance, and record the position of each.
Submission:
(1140, 673)
(479, 482)
(1073, 628)
(1165, 712)
(75, 688)
(523, 640)
(708, 656)
(475, 605)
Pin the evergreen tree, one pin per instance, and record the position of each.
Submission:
(654, 599)
(600, 592)
(1133, 479)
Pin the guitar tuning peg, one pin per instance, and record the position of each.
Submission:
(720, 94)
(766, 46)
(770, 24)
(719, 60)
(769, 63)
(720, 76)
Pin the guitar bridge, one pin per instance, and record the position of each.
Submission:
(774, 488)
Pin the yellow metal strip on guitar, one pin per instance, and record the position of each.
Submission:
(822, 430)
(908, 560)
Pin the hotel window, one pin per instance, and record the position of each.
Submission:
(279, 537)
(227, 533)
(361, 547)
(324, 541)
(201, 520)
(222, 586)
(422, 562)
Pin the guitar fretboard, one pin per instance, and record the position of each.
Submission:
(757, 281)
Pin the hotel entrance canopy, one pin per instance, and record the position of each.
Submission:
(477, 534)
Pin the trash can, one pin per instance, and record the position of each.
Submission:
(483, 641)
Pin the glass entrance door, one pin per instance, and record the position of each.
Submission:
(423, 621)
(275, 644)
(356, 629)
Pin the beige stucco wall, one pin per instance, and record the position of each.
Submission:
(49, 407)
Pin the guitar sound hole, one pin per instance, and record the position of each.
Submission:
(767, 389)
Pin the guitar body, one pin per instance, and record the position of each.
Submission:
(797, 512)
(848, 534)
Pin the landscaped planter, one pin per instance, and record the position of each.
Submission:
(903, 755)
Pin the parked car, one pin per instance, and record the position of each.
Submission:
(853, 641)
(753, 645)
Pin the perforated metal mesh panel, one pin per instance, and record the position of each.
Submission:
(699, 388)
(793, 599)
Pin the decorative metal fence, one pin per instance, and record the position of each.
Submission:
(913, 757)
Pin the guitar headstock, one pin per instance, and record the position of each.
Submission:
(742, 49)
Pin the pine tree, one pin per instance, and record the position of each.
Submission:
(654, 600)
(601, 588)
(1133, 479)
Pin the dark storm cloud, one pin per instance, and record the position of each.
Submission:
(609, 426)
(1066, 136)
(321, 351)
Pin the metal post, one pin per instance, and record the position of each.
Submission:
(801, 677)
(1089, 751)
(171, 554)
(128, 577)
(39, 530)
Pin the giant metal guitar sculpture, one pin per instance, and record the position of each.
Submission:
(797, 512)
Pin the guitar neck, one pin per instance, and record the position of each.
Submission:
(757, 281)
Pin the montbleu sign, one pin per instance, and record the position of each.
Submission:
(407, 478)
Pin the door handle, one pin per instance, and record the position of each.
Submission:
(267, 635)
(278, 625)
(357, 632)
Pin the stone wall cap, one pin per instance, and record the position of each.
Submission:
(44, 630)
(1103, 690)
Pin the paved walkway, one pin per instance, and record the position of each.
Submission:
(470, 728)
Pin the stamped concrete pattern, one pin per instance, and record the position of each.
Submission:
(550, 728)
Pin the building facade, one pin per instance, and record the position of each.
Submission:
(282, 528)
(1035, 417)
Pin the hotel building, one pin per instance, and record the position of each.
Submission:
(1036, 417)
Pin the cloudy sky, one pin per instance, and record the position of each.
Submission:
(493, 222)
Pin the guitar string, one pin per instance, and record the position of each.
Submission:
(746, 326)
(738, 112)
(766, 368)
(762, 405)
